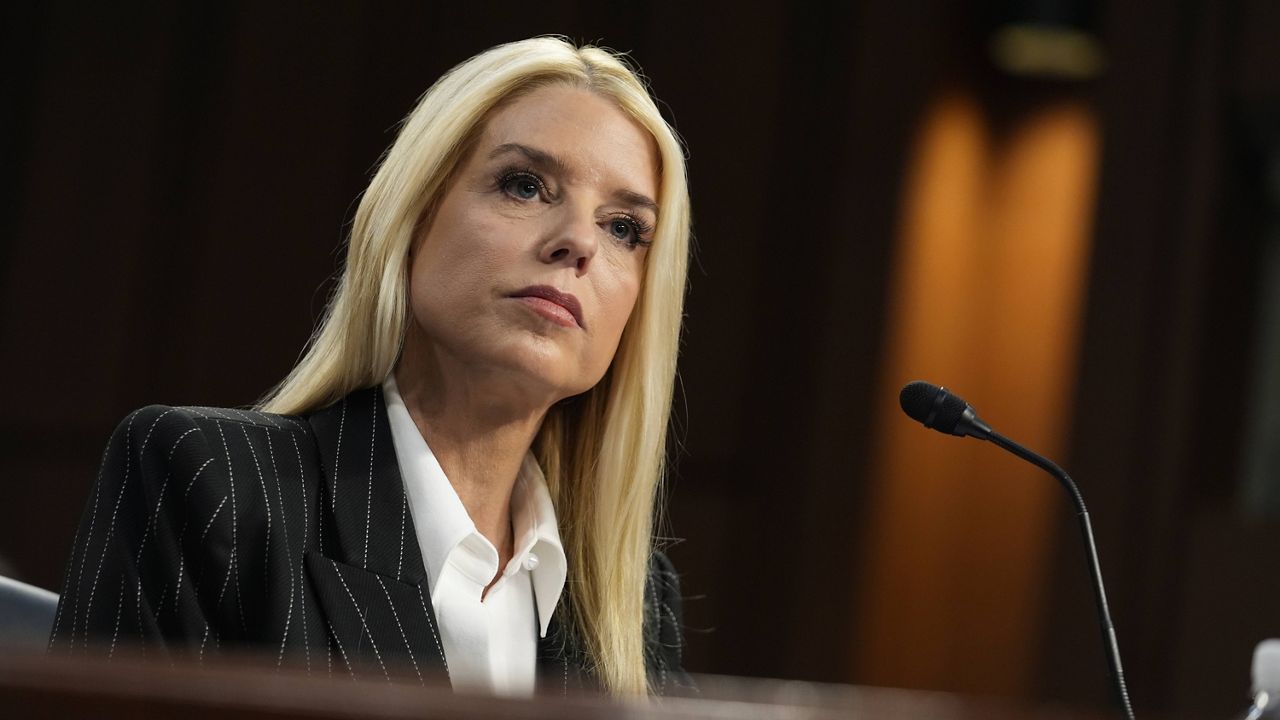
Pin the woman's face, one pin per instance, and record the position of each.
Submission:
(531, 263)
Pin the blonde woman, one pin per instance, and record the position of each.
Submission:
(462, 472)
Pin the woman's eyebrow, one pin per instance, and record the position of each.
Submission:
(630, 197)
(545, 159)
(533, 155)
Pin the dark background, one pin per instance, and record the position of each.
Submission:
(177, 183)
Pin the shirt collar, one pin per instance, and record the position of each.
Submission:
(537, 538)
(442, 522)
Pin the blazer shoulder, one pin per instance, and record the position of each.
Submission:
(147, 429)
(177, 436)
(170, 416)
(252, 418)
(178, 491)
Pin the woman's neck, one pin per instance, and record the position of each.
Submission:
(479, 434)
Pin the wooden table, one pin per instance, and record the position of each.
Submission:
(34, 686)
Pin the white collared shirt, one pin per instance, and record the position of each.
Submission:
(490, 644)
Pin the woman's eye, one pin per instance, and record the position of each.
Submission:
(630, 231)
(622, 229)
(524, 187)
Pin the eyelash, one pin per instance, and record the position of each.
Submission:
(639, 228)
(504, 178)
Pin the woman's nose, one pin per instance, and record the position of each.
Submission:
(572, 239)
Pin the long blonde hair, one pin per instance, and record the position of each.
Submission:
(604, 454)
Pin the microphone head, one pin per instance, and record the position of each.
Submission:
(934, 406)
(1266, 668)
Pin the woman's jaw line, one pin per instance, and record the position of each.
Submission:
(440, 385)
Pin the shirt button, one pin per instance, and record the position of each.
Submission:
(531, 562)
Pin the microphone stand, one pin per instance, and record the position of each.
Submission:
(1095, 571)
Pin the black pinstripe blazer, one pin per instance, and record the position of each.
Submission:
(213, 528)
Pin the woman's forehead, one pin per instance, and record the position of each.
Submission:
(578, 132)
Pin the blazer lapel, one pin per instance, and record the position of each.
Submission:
(368, 573)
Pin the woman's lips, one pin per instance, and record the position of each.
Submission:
(560, 308)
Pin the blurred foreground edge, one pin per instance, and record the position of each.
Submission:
(131, 686)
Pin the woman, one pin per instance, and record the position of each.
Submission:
(463, 469)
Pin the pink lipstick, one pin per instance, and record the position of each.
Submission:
(558, 307)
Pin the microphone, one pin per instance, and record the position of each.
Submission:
(938, 409)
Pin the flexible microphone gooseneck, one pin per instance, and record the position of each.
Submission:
(940, 410)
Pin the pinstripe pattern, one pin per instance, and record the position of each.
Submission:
(403, 636)
(364, 626)
(93, 589)
(258, 550)
(431, 623)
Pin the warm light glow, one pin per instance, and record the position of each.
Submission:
(986, 299)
